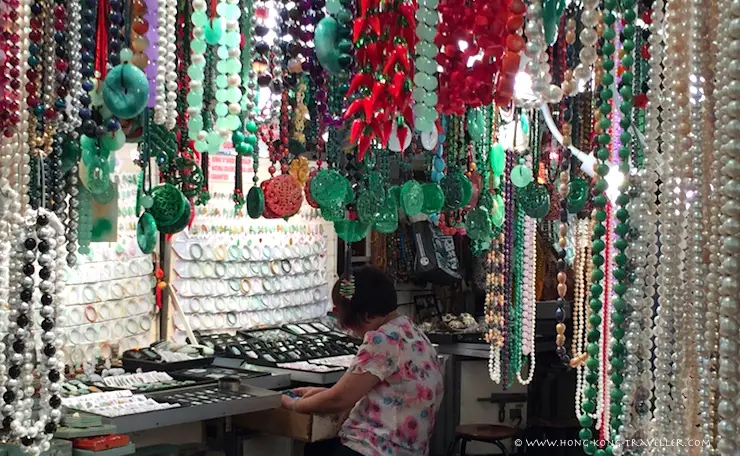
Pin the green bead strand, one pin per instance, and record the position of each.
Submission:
(618, 317)
(593, 361)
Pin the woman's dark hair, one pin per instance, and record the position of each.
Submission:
(375, 296)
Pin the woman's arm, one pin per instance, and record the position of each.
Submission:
(340, 397)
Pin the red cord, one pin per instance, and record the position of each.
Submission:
(101, 52)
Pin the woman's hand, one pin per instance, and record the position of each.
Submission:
(308, 391)
(287, 402)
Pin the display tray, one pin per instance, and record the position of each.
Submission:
(274, 346)
(197, 403)
(132, 365)
(216, 373)
(296, 375)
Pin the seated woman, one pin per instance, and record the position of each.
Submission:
(394, 384)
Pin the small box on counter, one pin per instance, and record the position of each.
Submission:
(298, 426)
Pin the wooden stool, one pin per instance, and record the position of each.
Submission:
(488, 433)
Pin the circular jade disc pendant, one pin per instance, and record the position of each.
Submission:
(412, 198)
(521, 176)
(332, 213)
(457, 189)
(434, 198)
(125, 91)
(329, 188)
(180, 223)
(478, 224)
(368, 207)
(387, 221)
(255, 202)
(351, 230)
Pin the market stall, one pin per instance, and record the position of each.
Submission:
(552, 187)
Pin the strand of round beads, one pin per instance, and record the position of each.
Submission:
(537, 67)
(577, 359)
(228, 94)
(669, 266)
(529, 303)
(696, 270)
(203, 141)
(74, 76)
(50, 235)
(708, 332)
(515, 314)
(654, 116)
(163, 56)
(16, 398)
(593, 376)
(621, 273)
(9, 106)
(725, 176)
(87, 55)
(20, 174)
(494, 314)
(709, 382)
(588, 38)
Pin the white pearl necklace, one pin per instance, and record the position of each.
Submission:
(165, 109)
(529, 305)
(588, 38)
(725, 176)
(538, 67)
(74, 18)
(582, 243)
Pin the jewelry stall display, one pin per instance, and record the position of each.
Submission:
(109, 301)
(263, 278)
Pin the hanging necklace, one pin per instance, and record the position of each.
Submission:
(621, 273)
(594, 375)
(40, 242)
(165, 108)
(529, 305)
(495, 307)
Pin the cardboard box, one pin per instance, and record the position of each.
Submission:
(298, 426)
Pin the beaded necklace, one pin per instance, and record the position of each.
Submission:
(621, 274)
(508, 272)
(599, 230)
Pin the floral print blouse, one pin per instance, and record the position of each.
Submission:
(396, 417)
